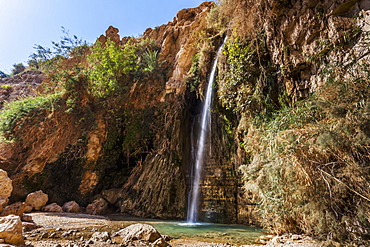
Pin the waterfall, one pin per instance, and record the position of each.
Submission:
(205, 125)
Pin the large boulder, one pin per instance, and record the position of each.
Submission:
(6, 188)
(100, 236)
(11, 230)
(14, 209)
(71, 207)
(97, 207)
(37, 199)
(139, 232)
(52, 208)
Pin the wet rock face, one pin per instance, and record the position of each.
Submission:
(299, 30)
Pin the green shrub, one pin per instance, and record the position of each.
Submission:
(109, 64)
(24, 108)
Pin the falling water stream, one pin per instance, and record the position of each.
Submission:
(191, 229)
(199, 158)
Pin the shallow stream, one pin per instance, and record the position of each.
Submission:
(208, 232)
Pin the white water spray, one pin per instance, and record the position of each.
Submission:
(199, 158)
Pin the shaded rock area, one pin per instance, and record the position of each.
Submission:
(23, 84)
(71, 207)
(97, 207)
(52, 208)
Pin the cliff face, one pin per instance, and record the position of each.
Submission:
(21, 85)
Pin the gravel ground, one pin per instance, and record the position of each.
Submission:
(76, 230)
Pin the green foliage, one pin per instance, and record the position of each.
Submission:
(3, 75)
(5, 86)
(109, 64)
(137, 131)
(150, 59)
(309, 161)
(248, 83)
(193, 76)
(47, 58)
(23, 108)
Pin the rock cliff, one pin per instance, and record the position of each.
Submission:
(20, 85)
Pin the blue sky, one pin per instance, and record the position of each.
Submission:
(24, 23)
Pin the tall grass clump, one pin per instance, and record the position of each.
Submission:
(309, 162)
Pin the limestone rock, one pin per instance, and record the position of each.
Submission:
(26, 218)
(11, 230)
(139, 232)
(3, 202)
(28, 209)
(21, 85)
(37, 199)
(99, 206)
(28, 226)
(112, 34)
(6, 186)
(111, 195)
(15, 209)
(52, 208)
(160, 242)
(100, 236)
(71, 207)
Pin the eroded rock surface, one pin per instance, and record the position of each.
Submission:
(139, 232)
(20, 85)
(71, 207)
(11, 229)
(6, 188)
(17, 209)
(52, 208)
(97, 207)
(37, 200)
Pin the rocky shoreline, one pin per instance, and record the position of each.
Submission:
(82, 230)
